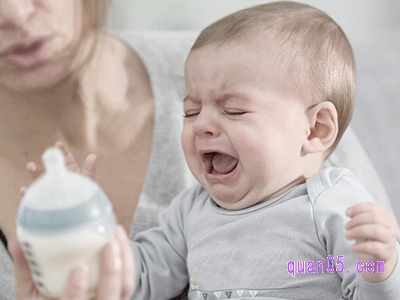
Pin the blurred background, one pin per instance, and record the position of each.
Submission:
(373, 28)
(358, 18)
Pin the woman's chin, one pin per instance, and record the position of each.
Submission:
(41, 79)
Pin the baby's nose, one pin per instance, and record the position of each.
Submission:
(206, 124)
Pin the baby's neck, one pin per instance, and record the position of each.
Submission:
(298, 181)
(312, 163)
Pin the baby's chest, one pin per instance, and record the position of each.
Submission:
(252, 255)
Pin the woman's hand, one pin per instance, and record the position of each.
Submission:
(88, 169)
(117, 266)
(25, 289)
(116, 279)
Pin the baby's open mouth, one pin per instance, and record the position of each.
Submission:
(219, 163)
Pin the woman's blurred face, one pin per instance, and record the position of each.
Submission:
(36, 37)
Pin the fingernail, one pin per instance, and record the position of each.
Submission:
(349, 211)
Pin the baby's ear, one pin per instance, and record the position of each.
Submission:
(323, 127)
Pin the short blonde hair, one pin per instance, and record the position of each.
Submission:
(310, 46)
(95, 14)
(94, 20)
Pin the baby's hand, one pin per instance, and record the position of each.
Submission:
(88, 169)
(375, 231)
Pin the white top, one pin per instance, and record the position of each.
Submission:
(290, 247)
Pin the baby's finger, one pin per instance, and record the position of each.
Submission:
(89, 166)
(70, 162)
(34, 170)
(371, 232)
(369, 217)
(372, 248)
(22, 190)
(362, 208)
(128, 271)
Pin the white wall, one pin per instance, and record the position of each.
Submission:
(358, 18)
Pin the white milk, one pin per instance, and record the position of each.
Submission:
(51, 258)
(64, 220)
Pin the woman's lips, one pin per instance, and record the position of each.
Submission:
(29, 54)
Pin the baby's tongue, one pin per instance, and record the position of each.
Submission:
(223, 163)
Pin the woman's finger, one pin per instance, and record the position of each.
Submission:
(128, 271)
(77, 285)
(110, 280)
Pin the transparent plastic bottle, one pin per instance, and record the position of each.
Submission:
(64, 220)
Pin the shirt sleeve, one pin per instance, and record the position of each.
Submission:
(331, 196)
(160, 253)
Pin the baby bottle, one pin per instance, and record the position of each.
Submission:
(64, 220)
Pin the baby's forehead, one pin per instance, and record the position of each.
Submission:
(253, 53)
(271, 52)
(230, 66)
(259, 45)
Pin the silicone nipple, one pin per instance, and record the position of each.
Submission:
(70, 199)
(54, 162)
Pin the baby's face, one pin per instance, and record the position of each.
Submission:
(242, 138)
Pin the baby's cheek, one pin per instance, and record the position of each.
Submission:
(186, 141)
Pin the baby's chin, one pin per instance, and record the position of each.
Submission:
(230, 200)
(234, 203)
